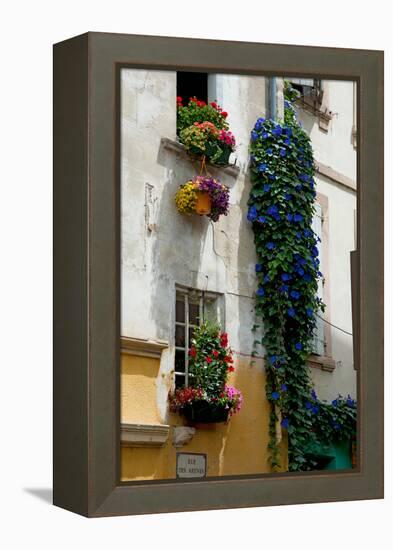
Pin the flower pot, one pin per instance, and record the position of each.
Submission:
(203, 203)
(206, 412)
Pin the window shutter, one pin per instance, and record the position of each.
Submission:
(303, 81)
(319, 332)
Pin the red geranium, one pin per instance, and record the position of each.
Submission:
(224, 114)
(208, 359)
(230, 369)
(215, 353)
(192, 352)
(228, 359)
(224, 339)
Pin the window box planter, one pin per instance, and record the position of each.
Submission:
(205, 412)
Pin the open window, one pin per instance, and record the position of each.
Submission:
(192, 307)
(191, 84)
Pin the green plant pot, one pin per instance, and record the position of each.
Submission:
(205, 412)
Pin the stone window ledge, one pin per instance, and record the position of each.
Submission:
(178, 148)
(142, 347)
(322, 362)
(144, 435)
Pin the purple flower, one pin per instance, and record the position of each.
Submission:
(290, 217)
(286, 276)
(298, 217)
(265, 135)
(284, 288)
(287, 196)
(313, 394)
(309, 312)
(262, 167)
(300, 271)
(270, 246)
(295, 294)
(269, 151)
(261, 219)
(266, 278)
(308, 405)
(267, 187)
(284, 387)
(282, 152)
(277, 131)
(285, 423)
(275, 395)
(254, 135)
(261, 291)
(298, 346)
(314, 251)
(258, 268)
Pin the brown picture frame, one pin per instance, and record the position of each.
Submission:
(86, 412)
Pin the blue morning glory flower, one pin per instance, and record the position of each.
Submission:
(284, 288)
(307, 233)
(313, 394)
(303, 177)
(286, 276)
(267, 187)
(336, 426)
(269, 151)
(315, 409)
(298, 187)
(307, 277)
(287, 141)
(295, 294)
(272, 177)
(284, 387)
(314, 251)
(277, 131)
(298, 235)
(266, 278)
(290, 217)
(309, 312)
(287, 196)
(254, 135)
(261, 219)
(282, 152)
(300, 271)
(272, 210)
(298, 346)
(335, 402)
(270, 245)
(275, 395)
(252, 213)
(273, 358)
(261, 291)
(258, 268)
(308, 405)
(285, 423)
(298, 217)
(291, 312)
(350, 401)
(262, 167)
(265, 134)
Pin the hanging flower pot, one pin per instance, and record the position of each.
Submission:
(203, 195)
(203, 204)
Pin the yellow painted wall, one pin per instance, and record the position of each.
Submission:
(234, 448)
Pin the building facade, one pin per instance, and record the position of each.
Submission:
(176, 269)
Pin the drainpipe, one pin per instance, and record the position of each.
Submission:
(272, 97)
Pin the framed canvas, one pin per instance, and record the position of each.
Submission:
(218, 274)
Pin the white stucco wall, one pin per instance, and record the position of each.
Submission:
(186, 250)
(335, 149)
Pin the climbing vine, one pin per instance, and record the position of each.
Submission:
(281, 209)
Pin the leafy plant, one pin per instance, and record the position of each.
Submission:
(209, 363)
(203, 129)
(281, 209)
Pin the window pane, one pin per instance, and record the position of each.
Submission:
(180, 311)
(180, 380)
(180, 362)
(193, 314)
(190, 335)
(180, 336)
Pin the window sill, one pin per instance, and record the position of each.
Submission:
(142, 347)
(324, 362)
(144, 435)
(178, 148)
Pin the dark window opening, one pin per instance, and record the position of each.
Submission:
(192, 85)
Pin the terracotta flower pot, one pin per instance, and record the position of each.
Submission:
(203, 204)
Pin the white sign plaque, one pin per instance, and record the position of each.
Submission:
(191, 465)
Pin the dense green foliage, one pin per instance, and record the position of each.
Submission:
(281, 209)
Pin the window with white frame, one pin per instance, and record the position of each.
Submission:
(192, 307)
(319, 342)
